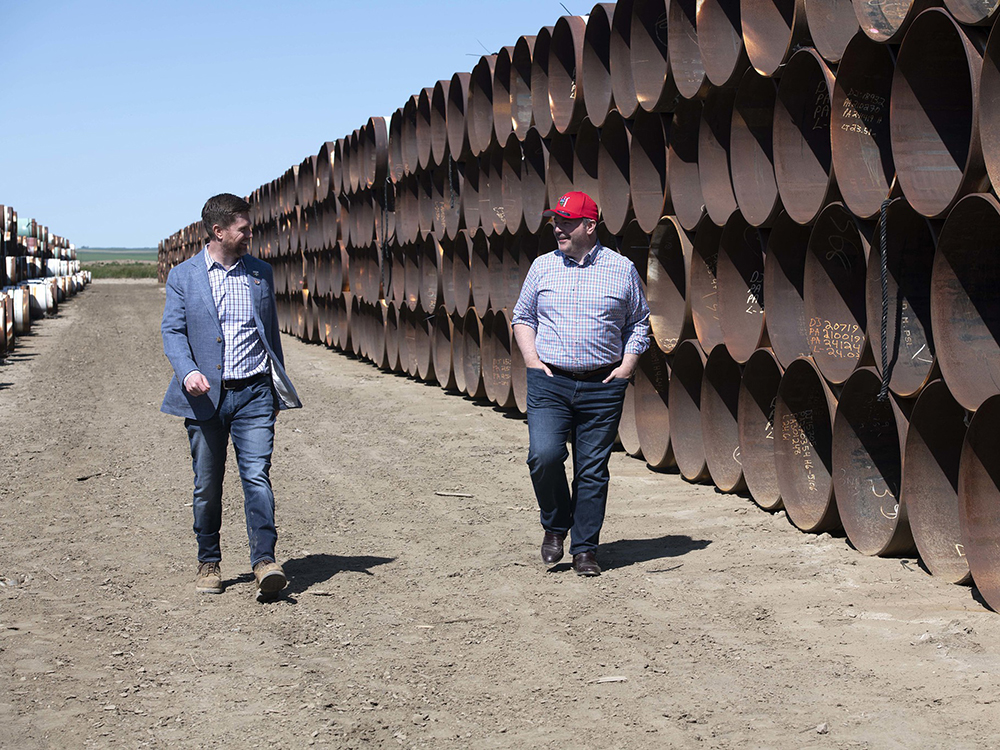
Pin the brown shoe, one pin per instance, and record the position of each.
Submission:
(552, 547)
(209, 578)
(585, 564)
(270, 579)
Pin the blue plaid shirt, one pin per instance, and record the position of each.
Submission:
(243, 352)
(585, 315)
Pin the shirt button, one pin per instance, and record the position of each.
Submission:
(218, 367)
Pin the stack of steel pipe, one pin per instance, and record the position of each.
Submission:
(38, 271)
(820, 274)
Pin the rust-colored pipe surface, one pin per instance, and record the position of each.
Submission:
(439, 122)
(540, 112)
(441, 349)
(518, 379)
(911, 241)
(834, 291)
(559, 177)
(974, 12)
(431, 254)
(471, 189)
(446, 185)
(772, 31)
(495, 207)
(713, 153)
(353, 159)
(479, 114)
(622, 85)
(965, 317)
(930, 481)
(497, 271)
(458, 351)
(803, 166)
(682, 48)
(422, 344)
(613, 172)
(534, 168)
(461, 275)
(684, 400)
(887, 21)
(628, 434)
(448, 276)
(979, 500)
(755, 415)
(486, 355)
(566, 87)
(720, 395)
(392, 337)
(472, 354)
(458, 100)
(784, 268)
(510, 183)
(425, 201)
(868, 439)
(376, 151)
(598, 97)
(703, 285)
(740, 276)
(935, 121)
(832, 25)
(503, 123)
(498, 360)
(395, 144)
(651, 75)
(684, 183)
(989, 107)
(520, 86)
(324, 171)
(479, 270)
(423, 129)
(647, 166)
(651, 410)
(667, 274)
(803, 434)
(859, 125)
(586, 152)
(411, 151)
(634, 245)
(720, 40)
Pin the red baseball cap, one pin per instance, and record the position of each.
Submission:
(575, 205)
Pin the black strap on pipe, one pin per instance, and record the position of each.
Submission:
(884, 391)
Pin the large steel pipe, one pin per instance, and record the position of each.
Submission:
(651, 75)
(803, 426)
(461, 273)
(684, 401)
(439, 122)
(566, 86)
(472, 355)
(887, 21)
(720, 41)
(431, 262)
(586, 153)
(713, 153)
(458, 351)
(929, 488)
(518, 379)
(703, 284)
(541, 114)
(534, 168)
(834, 291)
(598, 97)
(634, 245)
(974, 12)
(740, 278)
(910, 244)
(422, 131)
(458, 101)
(324, 170)
(803, 166)
(684, 183)
(497, 359)
(628, 434)
(491, 201)
(498, 262)
(989, 105)
(411, 151)
(651, 411)
(832, 25)
(979, 500)
(479, 119)
(520, 86)
(479, 271)
(423, 345)
(772, 31)
(934, 123)
(622, 85)
(443, 334)
(755, 416)
(859, 125)
(647, 168)
(965, 317)
(503, 121)
(682, 47)
(720, 395)
(751, 149)
(667, 274)
(559, 177)
(510, 183)
(868, 438)
(472, 190)
(613, 172)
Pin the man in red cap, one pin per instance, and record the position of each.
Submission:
(581, 322)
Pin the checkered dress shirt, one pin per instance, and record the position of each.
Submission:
(243, 353)
(585, 315)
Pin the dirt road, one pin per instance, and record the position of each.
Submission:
(416, 620)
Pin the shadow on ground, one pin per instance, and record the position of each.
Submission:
(306, 571)
(627, 552)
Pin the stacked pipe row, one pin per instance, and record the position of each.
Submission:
(39, 270)
(739, 152)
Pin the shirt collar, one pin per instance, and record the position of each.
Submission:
(210, 262)
(588, 259)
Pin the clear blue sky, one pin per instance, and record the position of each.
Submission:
(121, 118)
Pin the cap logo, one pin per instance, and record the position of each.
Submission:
(563, 201)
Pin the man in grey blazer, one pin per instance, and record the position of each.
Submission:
(220, 333)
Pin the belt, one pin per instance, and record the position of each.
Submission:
(241, 383)
(589, 376)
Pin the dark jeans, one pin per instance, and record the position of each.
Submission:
(248, 416)
(586, 415)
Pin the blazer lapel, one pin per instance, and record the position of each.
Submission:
(205, 288)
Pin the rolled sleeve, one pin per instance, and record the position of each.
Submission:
(635, 332)
(526, 309)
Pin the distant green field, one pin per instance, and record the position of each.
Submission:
(116, 253)
(135, 269)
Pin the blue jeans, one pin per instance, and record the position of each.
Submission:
(248, 416)
(586, 415)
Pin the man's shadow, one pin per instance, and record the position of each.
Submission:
(627, 552)
(304, 572)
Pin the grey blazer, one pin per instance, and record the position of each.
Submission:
(192, 336)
